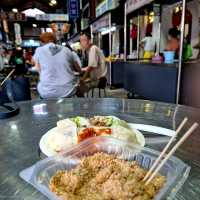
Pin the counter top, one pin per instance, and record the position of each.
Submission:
(143, 62)
(20, 136)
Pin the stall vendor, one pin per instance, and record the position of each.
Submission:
(173, 41)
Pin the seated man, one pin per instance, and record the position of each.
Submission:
(96, 63)
(56, 66)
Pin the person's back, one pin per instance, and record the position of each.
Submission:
(149, 46)
(56, 75)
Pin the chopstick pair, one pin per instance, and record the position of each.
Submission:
(157, 165)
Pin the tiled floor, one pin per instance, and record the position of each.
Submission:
(110, 93)
(114, 93)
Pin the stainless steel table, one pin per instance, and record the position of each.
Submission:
(19, 137)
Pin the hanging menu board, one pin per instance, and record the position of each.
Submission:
(133, 5)
(52, 17)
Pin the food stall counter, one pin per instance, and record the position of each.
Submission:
(151, 81)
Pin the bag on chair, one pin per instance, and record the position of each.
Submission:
(6, 95)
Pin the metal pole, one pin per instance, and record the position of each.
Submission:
(110, 35)
(91, 33)
(131, 40)
(99, 39)
(181, 50)
(110, 48)
(159, 29)
(125, 33)
(159, 39)
(138, 36)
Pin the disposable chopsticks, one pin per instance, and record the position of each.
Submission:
(165, 149)
(183, 138)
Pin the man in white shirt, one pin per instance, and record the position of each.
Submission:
(96, 62)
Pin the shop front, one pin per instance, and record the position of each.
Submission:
(154, 20)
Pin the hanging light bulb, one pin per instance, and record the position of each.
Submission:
(54, 2)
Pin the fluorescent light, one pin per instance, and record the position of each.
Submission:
(104, 32)
(54, 2)
(51, 4)
(15, 10)
(34, 25)
(32, 12)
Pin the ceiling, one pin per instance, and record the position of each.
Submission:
(43, 5)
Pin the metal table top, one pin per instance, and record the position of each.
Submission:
(20, 135)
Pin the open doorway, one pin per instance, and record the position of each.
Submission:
(105, 44)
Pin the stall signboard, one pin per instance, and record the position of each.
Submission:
(52, 17)
(105, 6)
(74, 9)
(101, 23)
(132, 5)
(10, 16)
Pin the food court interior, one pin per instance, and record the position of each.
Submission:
(99, 68)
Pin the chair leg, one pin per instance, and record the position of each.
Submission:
(92, 92)
(105, 92)
(99, 92)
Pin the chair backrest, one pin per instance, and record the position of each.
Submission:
(102, 83)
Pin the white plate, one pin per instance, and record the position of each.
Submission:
(48, 152)
(136, 127)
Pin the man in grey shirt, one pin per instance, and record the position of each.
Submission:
(56, 66)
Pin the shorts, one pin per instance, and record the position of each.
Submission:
(148, 54)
